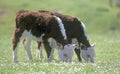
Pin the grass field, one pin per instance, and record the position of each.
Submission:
(103, 28)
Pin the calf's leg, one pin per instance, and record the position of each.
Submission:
(77, 51)
(39, 50)
(48, 50)
(16, 38)
(26, 43)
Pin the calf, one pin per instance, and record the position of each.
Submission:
(74, 29)
(40, 27)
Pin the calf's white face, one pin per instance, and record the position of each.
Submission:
(88, 54)
(67, 52)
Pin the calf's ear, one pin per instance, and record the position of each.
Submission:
(74, 45)
(93, 45)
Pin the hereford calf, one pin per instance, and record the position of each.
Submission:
(40, 27)
(75, 29)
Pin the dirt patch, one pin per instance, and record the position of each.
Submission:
(3, 11)
(2, 14)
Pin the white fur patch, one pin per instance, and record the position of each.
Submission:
(88, 54)
(66, 53)
(61, 25)
(15, 55)
(84, 28)
(82, 24)
(52, 43)
(29, 35)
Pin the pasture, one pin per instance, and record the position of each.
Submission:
(103, 28)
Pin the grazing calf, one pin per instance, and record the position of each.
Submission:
(40, 27)
(75, 29)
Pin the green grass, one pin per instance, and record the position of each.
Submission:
(103, 27)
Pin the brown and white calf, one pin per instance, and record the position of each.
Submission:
(75, 29)
(40, 27)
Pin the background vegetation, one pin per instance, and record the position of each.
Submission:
(102, 19)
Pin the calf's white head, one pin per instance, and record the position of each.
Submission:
(65, 53)
(88, 53)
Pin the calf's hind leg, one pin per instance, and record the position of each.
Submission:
(39, 50)
(16, 38)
